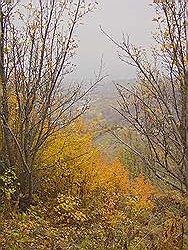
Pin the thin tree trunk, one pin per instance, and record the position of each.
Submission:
(4, 95)
(186, 117)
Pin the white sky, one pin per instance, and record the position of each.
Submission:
(133, 17)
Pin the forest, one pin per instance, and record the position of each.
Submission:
(91, 174)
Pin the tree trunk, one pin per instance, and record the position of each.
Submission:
(186, 117)
(4, 95)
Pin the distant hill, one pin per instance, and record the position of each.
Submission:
(104, 99)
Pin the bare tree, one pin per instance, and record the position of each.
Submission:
(37, 45)
(156, 107)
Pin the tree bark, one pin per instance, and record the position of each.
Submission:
(186, 117)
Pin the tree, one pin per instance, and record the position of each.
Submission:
(156, 107)
(37, 45)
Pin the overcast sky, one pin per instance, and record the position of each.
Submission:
(133, 17)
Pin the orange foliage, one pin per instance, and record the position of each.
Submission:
(113, 177)
(141, 192)
(74, 167)
(108, 176)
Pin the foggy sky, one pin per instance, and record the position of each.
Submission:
(133, 17)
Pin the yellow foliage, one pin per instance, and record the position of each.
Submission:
(65, 160)
(72, 170)
(141, 192)
(68, 210)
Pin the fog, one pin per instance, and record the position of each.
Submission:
(131, 17)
